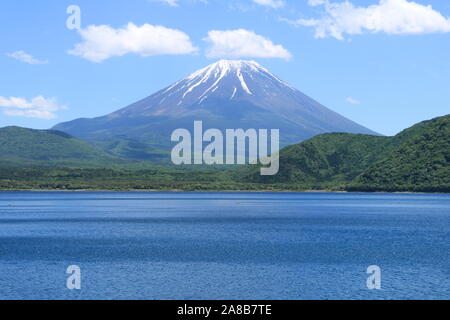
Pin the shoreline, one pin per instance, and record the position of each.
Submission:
(221, 191)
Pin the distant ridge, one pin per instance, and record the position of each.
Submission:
(22, 147)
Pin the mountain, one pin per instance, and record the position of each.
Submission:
(417, 159)
(225, 94)
(22, 147)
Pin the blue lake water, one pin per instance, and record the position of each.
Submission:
(133, 245)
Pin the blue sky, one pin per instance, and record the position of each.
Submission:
(382, 63)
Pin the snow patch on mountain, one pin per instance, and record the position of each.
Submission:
(208, 79)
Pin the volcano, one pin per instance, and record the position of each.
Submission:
(226, 94)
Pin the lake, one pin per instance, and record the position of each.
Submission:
(180, 245)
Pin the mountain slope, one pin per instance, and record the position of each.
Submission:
(225, 94)
(418, 159)
(421, 162)
(332, 157)
(22, 147)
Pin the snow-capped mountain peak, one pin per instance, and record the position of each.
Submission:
(226, 66)
(218, 71)
(232, 79)
(237, 68)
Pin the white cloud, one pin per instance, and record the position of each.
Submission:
(243, 43)
(38, 107)
(270, 3)
(103, 42)
(172, 3)
(25, 57)
(176, 3)
(316, 2)
(388, 16)
(352, 101)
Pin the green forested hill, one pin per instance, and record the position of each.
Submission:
(333, 157)
(417, 159)
(21, 147)
(420, 163)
